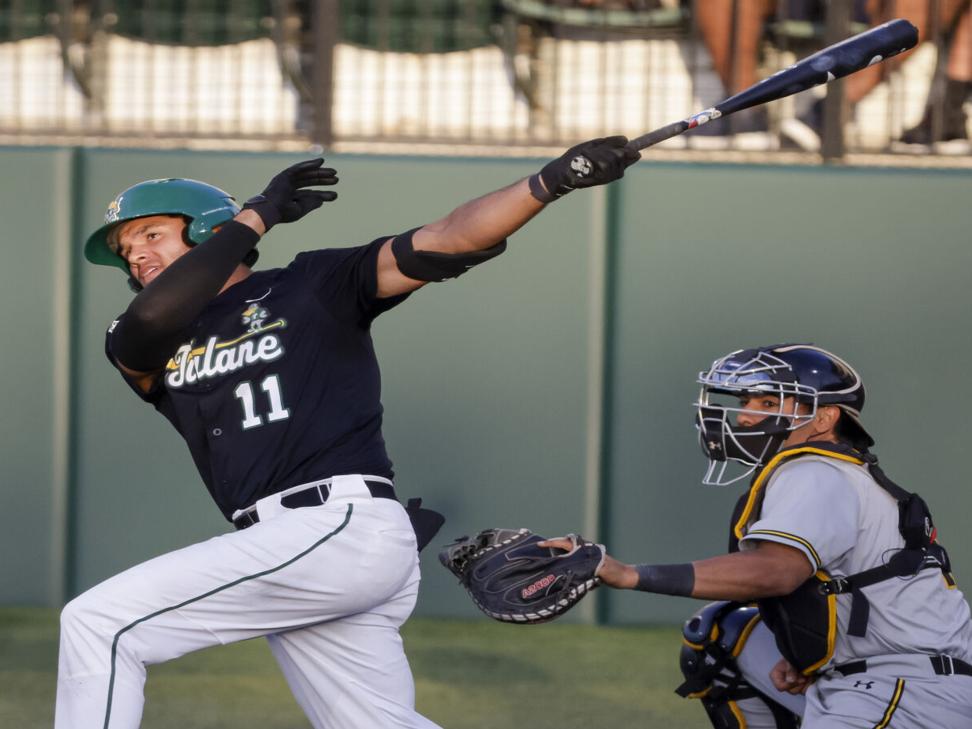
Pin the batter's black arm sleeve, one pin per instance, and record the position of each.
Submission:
(153, 325)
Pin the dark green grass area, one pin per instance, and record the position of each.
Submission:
(468, 675)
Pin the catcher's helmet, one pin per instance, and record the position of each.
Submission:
(203, 205)
(809, 374)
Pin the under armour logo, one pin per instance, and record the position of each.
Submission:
(581, 165)
(865, 684)
(714, 445)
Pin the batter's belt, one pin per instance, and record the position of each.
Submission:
(425, 522)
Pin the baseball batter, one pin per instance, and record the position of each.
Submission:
(271, 379)
(859, 622)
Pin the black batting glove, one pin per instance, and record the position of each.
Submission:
(285, 199)
(595, 162)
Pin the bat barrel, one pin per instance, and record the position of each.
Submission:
(865, 49)
(836, 61)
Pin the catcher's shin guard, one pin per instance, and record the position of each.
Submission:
(712, 640)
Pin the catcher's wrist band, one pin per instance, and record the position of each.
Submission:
(538, 191)
(666, 579)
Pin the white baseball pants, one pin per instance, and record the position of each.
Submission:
(329, 586)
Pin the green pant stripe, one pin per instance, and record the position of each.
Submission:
(118, 635)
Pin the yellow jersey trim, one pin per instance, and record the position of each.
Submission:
(793, 537)
(764, 475)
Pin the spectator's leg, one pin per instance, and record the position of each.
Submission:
(731, 31)
(958, 84)
(880, 11)
(805, 130)
(734, 58)
(960, 55)
(958, 79)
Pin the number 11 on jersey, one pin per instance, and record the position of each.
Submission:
(271, 386)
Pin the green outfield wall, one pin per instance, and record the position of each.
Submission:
(551, 388)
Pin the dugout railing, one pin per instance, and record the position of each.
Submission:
(437, 76)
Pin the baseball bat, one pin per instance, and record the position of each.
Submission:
(836, 61)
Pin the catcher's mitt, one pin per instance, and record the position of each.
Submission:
(513, 580)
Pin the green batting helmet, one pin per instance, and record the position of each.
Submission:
(204, 205)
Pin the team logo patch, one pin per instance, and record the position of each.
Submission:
(581, 165)
(254, 317)
(114, 210)
(542, 583)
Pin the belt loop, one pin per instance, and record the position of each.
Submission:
(943, 665)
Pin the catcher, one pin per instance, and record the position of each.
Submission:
(857, 623)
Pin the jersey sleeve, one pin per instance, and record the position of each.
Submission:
(810, 506)
(153, 395)
(346, 280)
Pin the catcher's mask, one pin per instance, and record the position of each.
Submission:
(204, 207)
(789, 375)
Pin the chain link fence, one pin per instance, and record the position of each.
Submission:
(449, 75)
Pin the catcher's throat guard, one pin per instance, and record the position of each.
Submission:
(513, 580)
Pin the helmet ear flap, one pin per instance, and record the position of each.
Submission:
(201, 227)
(187, 232)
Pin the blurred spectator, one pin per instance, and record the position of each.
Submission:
(952, 14)
(732, 31)
(952, 95)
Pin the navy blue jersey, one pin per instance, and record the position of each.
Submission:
(277, 382)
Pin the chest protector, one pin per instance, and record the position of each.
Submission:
(804, 623)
